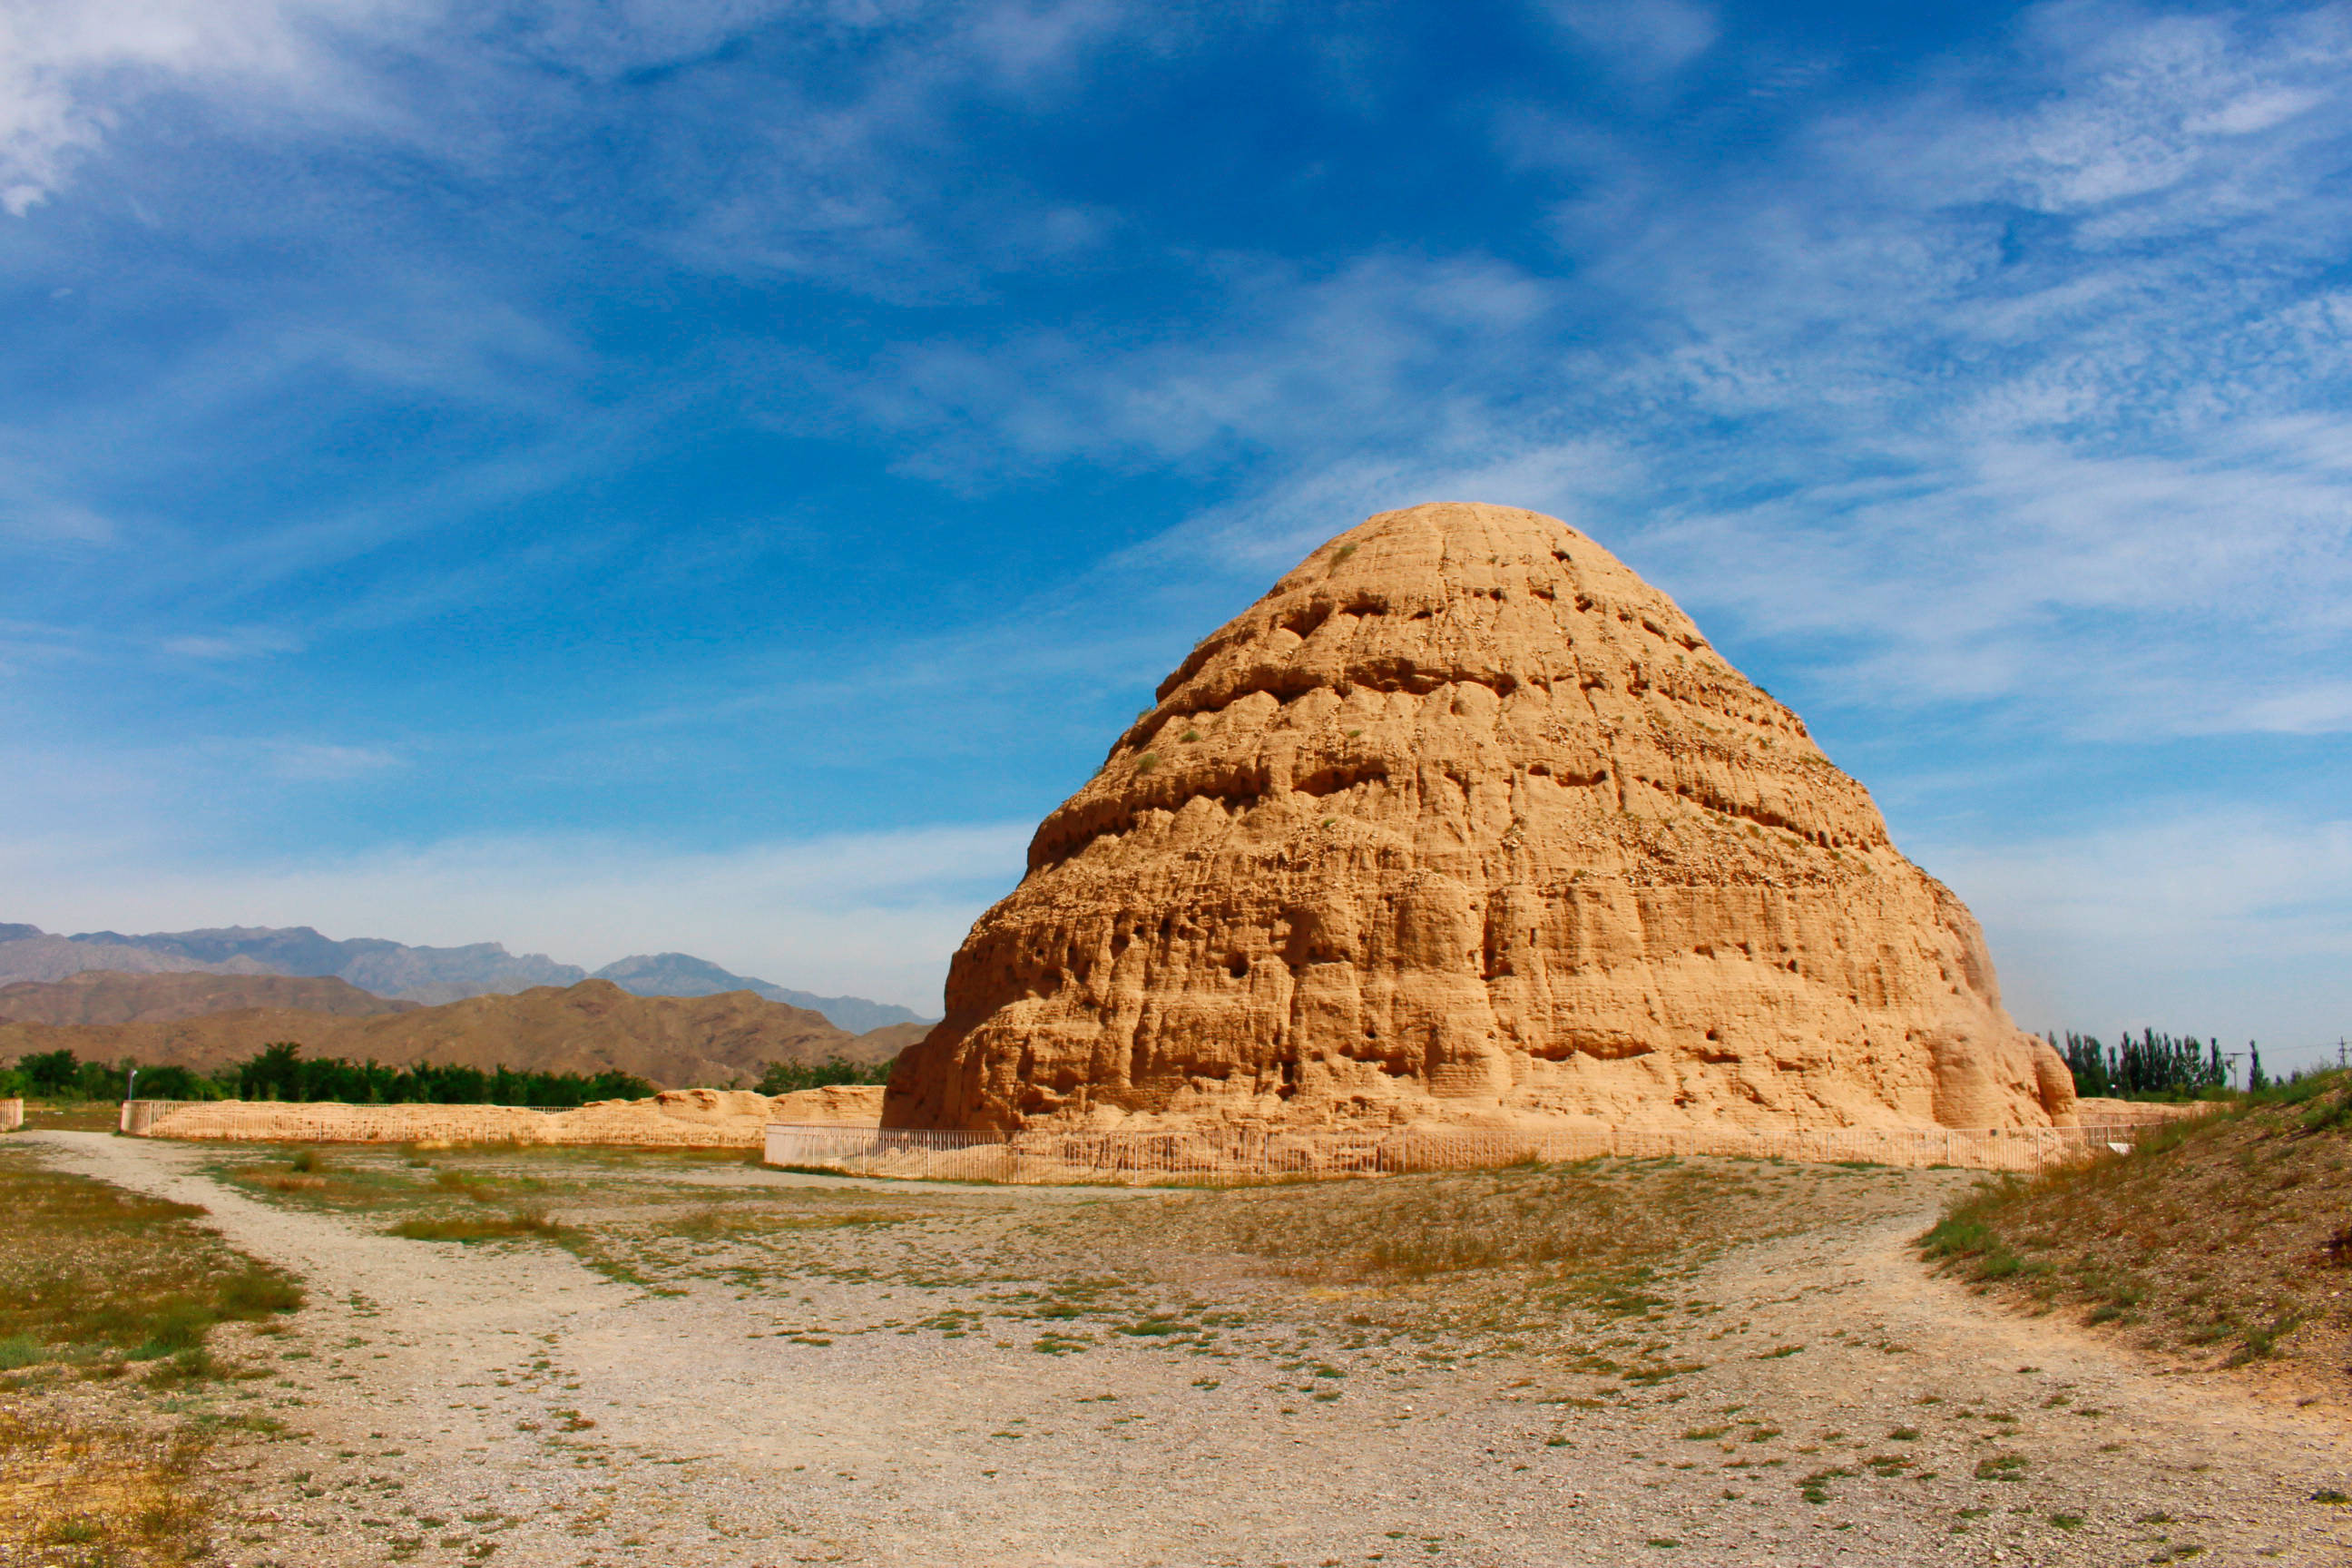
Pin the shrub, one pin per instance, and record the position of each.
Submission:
(788, 1077)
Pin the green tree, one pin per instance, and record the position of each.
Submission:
(54, 1073)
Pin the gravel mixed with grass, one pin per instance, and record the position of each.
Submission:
(109, 1302)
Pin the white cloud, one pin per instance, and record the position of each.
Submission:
(2227, 921)
(315, 761)
(67, 67)
(865, 914)
(1985, 390)
(235, 645)
(1642, 40)
(1300, 366)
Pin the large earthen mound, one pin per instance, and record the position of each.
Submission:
(1464, 823)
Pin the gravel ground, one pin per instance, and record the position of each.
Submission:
(731, 1366)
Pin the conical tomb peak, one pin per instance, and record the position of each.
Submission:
(1464, 823)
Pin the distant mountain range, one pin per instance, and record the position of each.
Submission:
(592, 1027)
(683, 975)
(428, 975)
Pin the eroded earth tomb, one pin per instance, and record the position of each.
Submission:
(1464, 823)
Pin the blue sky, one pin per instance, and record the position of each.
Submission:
(710, 476)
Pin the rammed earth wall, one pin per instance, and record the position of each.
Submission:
(684, 1119)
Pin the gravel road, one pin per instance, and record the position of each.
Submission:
(1808, 1397)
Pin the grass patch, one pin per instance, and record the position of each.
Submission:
(2002, 1468)
(89, 1267)
(1602, 1223)
(2218, 1233)
(478, 1227)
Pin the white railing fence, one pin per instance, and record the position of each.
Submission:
(138, 1115)
(1243, 1154)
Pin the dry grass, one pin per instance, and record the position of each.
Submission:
(74, 1495)
(1592, 1218)
(95, 1280)
(478, 1227)
(2216, 1238)
(73, 1115)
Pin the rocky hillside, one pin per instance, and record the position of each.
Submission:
(107, 997)
(593, 1027)
(428, 975)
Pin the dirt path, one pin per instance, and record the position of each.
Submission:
(1812, 1398)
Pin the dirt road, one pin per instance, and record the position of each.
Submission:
(944, 1377)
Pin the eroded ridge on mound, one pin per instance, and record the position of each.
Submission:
(1463, 822)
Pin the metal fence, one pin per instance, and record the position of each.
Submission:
(11, 1115)
(1243, 1154)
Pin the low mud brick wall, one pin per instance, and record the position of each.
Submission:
(1223, 1153)
(682, 1118)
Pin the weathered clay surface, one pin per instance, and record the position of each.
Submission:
(1464, 823)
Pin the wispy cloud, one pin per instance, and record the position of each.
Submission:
(2005, 390)
(2038, 366)
(68, 72)
(314, 761)
(237, 644)
(2246, 909)
(1642, 41)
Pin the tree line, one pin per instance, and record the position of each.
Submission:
(2153, 1065)
(280, 1072)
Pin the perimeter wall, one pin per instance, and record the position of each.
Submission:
(1224, 1153)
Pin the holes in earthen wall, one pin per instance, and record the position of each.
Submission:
(1339, 777)
(1238, 965)
(1305, 621)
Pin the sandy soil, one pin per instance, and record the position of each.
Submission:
(792, 1370)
